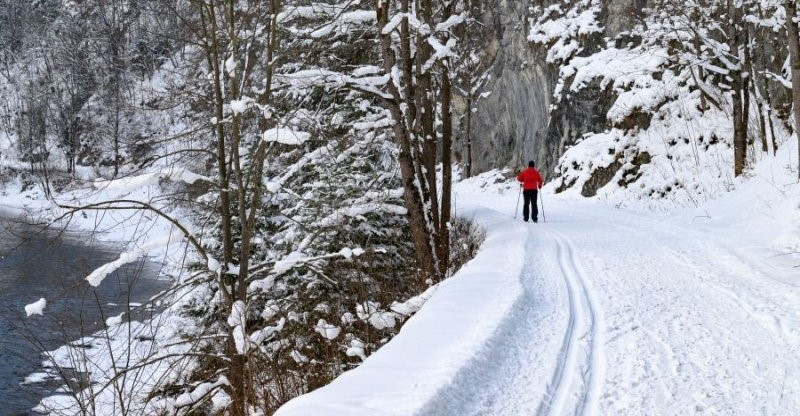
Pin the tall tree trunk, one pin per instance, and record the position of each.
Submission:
(227, 284)
(747, 81)
(468, 169)
(765, 109)
(427, 117)
(760, 104)
(209, 26)
(410, 175)
(447, 171)
(238, 360)
(739, 130)
(794, 53)
(414, 116)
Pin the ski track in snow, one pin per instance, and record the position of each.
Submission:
(579, 375)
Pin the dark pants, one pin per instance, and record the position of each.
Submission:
(530, 201)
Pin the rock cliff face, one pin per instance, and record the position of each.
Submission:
(514, 123)
(506, 123)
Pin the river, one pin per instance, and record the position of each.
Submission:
(50, 264)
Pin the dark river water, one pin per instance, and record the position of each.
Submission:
(47, 264)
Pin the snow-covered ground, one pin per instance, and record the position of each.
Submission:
(603, 310)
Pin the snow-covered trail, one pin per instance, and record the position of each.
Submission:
(598, 311)
(624, 313)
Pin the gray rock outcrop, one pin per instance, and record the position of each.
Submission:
(514, 123)
(507, 122)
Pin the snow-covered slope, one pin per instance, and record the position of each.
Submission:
(602, 310)
(645, 110)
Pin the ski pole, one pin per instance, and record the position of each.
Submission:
(541, 201)
(516, 208)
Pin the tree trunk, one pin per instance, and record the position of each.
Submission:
(447, 172)
(427, 119)
(739, 129)
(747, 80)
(409, 173)
(765, 108)
(794, 53)
(468, 167)
(237, 372)
(226, 285)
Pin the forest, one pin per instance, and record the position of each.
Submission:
(293, 162)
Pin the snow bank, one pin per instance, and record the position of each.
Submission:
(442, 338)
(132, 183)
(100, 273)
(760, 219)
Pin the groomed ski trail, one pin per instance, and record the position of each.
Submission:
(599, 311)
(557, 326)
(625, 314)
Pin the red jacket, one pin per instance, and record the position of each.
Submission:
(531, 179)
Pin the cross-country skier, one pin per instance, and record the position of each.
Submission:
(531, 182)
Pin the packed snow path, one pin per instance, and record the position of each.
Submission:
(597, 311)
(624, 314)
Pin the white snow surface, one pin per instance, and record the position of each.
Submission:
(36, 308)
(601, 310)
(132, 183)
(100, 273)
(327, 330)
(287, 136)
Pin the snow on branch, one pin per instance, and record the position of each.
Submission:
(296, 258)
(198, 393)
(241, 105)
(364, 79)
(266, 333)
(100, 273)
(451, 22)
(237, 321)
(785, 81)
(440, 51)
(344, 21)
(355, 210)
(286, 136)
(393, 23)
(276, 183)
(328, 331)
